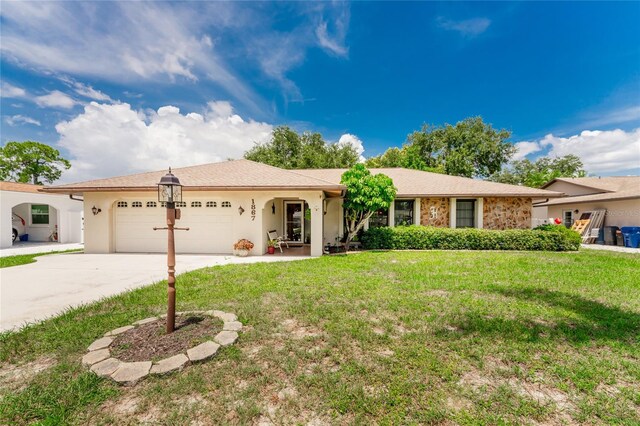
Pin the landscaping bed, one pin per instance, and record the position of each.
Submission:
(439, 337)
(150, 341)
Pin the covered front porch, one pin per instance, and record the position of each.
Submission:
(296, 220)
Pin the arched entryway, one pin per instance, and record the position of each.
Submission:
(35, 222)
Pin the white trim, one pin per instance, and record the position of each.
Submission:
(452, 212)
(416, 212)
(392, 214)
(479, 213)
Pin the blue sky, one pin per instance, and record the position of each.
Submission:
(124, 87)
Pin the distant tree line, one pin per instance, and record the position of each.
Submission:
(469, 148)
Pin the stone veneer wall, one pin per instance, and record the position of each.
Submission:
(506, 213)
(434, 212)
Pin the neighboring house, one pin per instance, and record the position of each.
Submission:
(24, 209)
(223, 202)
(619, 196)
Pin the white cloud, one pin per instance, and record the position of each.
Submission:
(334, 42)
(121, 41)
(55, 99)
(88, 92)
(21, 119)
(113, 139)
(525, 148)
(618, 116)
(10, 91)
(607, 152)
(467, 27)
(353, 140)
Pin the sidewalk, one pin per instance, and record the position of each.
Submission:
(619, 249)
(33, 247)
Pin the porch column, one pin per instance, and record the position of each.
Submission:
(317, 217)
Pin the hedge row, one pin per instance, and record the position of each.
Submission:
(550, 238)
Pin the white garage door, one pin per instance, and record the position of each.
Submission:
(210, 228)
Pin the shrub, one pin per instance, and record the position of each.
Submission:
(418, 237)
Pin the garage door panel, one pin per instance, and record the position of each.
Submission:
(209, 231)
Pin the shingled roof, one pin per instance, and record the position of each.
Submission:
(416, 183)
(19, 187)
(223, 176)
(610, 188)
(246, 174)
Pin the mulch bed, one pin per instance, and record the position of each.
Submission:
(150, 341)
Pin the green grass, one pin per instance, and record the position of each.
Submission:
(388, 338)
(23, 259)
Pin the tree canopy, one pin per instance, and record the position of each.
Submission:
(31, 161)
(537, 173)
(470, 148)
(289, 150)
(366, 193)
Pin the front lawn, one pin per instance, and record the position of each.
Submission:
(23, 259)
(389, 337)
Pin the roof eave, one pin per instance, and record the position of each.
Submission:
(76, 190)
(569, 200)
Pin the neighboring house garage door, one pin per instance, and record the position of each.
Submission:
(211, 228)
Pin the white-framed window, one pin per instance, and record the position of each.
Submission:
(212, 204)
(225, 204)
(196, 204)
(136, 204)
(152, 204)
(122, 204)
(39, 214)
(465, 213)
(403, 212)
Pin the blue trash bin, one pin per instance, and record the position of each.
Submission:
(628, 232)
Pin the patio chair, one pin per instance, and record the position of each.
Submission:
(279, 240)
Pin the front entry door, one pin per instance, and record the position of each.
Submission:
(294, 220)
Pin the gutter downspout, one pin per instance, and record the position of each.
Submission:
(76, 199)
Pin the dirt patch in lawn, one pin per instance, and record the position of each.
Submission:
(16, 377)
(150, 341)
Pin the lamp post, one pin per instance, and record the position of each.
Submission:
(170, 193)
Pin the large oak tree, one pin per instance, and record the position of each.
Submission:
(470, 148)
(537, 173)
(32, 162)
(289, 150)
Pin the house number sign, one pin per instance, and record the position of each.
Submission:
(253, 210)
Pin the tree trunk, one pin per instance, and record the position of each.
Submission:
(354, 228)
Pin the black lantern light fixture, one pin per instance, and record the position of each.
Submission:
(95, 210)
(169, 190)
(240, 210)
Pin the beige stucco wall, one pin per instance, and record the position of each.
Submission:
(434, 212)
(570, 189)
(333, 221)
(619, 213)
(100, 235)
(506, 213)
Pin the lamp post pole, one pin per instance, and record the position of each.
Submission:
(170, 192)
(171, 268)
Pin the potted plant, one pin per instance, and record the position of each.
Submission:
(242, 247)
(271, 246)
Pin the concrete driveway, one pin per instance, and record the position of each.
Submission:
(33, 292)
